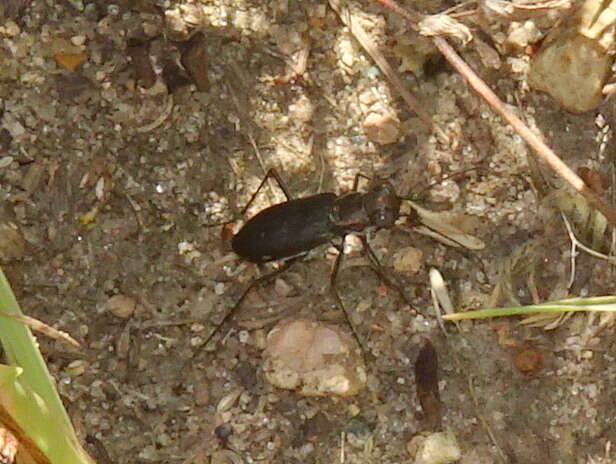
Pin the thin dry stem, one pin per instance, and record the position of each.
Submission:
(577, 244)
(482, 89)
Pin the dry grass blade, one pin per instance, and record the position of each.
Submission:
(546, 321)
(589, 223)
(598, 304)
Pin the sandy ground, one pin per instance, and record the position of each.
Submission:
(115, 189)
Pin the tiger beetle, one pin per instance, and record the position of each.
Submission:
(290, 229)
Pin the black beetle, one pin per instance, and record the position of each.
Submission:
(291, 229)
(297, 226)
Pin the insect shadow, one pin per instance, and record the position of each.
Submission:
(287, 231)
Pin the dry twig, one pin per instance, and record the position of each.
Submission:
(482, 89)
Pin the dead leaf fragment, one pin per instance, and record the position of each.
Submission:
(426, 378)
(195, 61)
(441, 25)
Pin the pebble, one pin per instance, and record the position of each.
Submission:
(10, 29)
(78, 40)
(436, 448)
(528, 361)
(522, 34)
(5, 161)
(121, 306)
(572, 69)
(314, 359)
(408, 260)
(382, 128)
(77, 367)
(12, 242)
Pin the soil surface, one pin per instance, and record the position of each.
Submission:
(131, 132)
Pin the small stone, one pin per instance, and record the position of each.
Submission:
(12, 243)
(5, 139)
(78, 40)
(436, 448)
(347, 54)
(176, 27)
(10, 29)
(282, 287)
(121, 306)
(448, 190)
(201, 393)
(226, 457)
(77, 367)
(528, 361)
(523, 34)
(5, 161)
(228, 401)
(123, 343)
(408, 260)
(314, 359)
(413, 53)
(302, 110)
(572, 69)
(13, 125)
(382, 128)
(151, 29)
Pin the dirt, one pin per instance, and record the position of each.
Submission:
(120, 190)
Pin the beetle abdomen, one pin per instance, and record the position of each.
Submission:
(285, 230)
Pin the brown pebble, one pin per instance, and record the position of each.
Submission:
(201, 393)
(121, 306)
(123, 343)
(12, 243)
(314, 359)
(408, 260)
(528, 361)
(382, 128)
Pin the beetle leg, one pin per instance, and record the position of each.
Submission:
(256, 282)
(334, 290)
(272, 172)
(378, 269)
